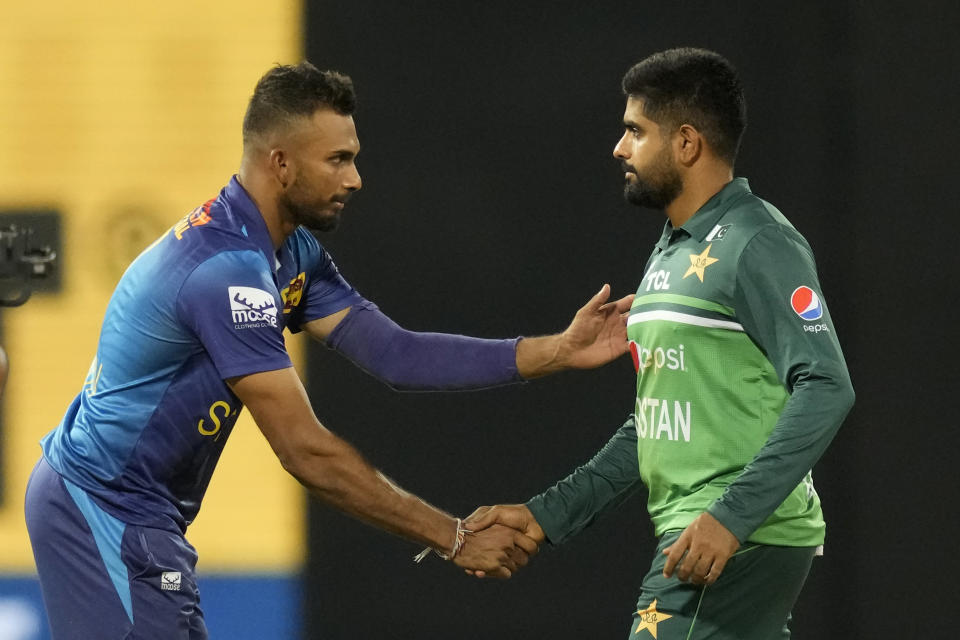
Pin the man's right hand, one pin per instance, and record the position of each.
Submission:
(496, 551)
(514, 516)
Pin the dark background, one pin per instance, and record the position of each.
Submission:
(492, 207)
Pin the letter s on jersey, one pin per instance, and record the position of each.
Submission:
(216, 419)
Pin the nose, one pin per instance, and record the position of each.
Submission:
(620, 150)
(352, 180)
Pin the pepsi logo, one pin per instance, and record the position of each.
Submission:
(806, 303)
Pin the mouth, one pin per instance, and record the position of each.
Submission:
(339, 202)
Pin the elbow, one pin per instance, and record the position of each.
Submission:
(296, 464)
(847, 395)
(851, 397)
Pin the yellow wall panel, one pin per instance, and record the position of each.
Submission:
(125, 116)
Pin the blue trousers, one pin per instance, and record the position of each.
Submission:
(103, 579)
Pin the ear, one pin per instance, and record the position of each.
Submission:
(280, 166)
(689, 144)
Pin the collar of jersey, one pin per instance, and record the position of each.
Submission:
(706, 218)
(254, 225)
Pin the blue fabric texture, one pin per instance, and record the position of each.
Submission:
(107, 533)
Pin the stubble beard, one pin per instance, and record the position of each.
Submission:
(307, 214)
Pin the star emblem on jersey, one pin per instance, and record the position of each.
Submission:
(650, 618)
(699, 263)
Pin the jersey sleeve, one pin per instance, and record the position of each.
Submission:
(325, 290)
(779, 302)
(606, 481)
(230, 303)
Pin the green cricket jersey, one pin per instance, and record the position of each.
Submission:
(741, 384)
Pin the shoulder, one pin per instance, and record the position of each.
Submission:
(238, 281)
(241, 265)
(762, 227)
(203, 232)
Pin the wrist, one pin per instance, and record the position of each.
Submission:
(719, 512)
(532, 528)
(447, 552)
(540, 356)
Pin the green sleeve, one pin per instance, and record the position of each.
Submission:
(601, 484)
(807, 358)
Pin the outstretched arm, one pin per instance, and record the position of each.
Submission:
(575, 502)
(337, 474)
(409, 360)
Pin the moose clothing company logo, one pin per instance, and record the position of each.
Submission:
(170, 581)
(252, 308)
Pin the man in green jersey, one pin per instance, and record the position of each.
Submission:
(741, 383)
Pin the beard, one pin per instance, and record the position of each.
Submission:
(658, 186)
(308, 213)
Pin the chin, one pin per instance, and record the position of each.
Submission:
(327, 222)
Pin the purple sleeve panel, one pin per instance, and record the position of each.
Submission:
(412, 361)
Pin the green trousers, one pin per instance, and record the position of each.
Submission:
(751, 600)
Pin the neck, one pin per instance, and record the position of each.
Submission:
(264, 194)
(699, 185)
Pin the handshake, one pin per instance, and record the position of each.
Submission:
(498, 540)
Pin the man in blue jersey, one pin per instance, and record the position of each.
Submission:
(193, 333)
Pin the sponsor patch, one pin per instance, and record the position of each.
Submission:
(170, 581)
(292, 294)
(806, 303)
(252, 307)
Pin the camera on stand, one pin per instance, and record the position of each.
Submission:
(23, 262)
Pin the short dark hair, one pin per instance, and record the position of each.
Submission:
(696, 87)
(287, 91)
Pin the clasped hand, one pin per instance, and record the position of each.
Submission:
(502, 540)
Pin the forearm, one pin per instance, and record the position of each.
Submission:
(603, 483)
(420, 361)
(808, 423)
(331, 468)
(338, 475)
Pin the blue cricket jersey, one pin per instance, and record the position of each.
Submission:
(207, 301)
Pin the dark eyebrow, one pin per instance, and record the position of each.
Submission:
(630, 124)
